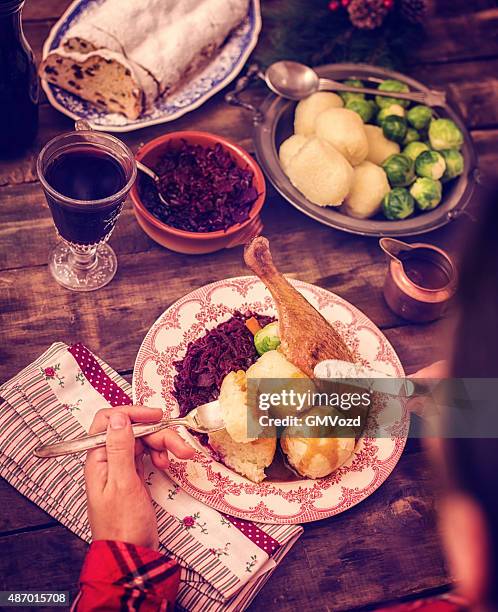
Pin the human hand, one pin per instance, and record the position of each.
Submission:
(423, 405)
(158, 445)
(119, 504)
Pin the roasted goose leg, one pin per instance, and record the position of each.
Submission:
(306, 337)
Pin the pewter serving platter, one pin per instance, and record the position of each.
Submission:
(274, 124)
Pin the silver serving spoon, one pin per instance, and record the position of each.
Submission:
(203, 419)
(151, 174)
(295, 81)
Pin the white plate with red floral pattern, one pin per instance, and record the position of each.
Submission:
(218, 486)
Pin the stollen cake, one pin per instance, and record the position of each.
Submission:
(123, 55)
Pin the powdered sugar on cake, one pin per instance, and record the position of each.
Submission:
(181, 36)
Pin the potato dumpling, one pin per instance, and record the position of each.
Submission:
(313, 456)
(308, 110)
(289, 148)
(321, 173)
(379, 147)
(317, 457)
(344, 129)
(369, 186)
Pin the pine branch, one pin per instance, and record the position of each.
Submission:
(308, 31)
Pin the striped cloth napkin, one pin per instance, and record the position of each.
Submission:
(225, 561)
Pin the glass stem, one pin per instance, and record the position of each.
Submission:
(84, 257)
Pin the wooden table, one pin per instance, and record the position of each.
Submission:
(387, 547)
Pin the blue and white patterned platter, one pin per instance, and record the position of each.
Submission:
(222, 69)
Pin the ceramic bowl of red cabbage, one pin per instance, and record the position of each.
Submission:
(213, 188)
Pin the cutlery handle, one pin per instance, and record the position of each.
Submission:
(234, 98)
(69, 447)
(431, 97)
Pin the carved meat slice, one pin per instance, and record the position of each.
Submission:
(306, 337)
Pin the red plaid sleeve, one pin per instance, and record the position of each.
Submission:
(121, 576)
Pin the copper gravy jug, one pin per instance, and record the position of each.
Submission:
(420, 279)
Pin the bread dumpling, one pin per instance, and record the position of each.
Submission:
(369, 186)
(289, 148)
(308, 110)
(344, 129)
(321, 173)
(241, 425)
(249, 459)
(379, 147)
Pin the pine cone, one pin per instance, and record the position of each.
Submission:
(367, 14)
(415, 11)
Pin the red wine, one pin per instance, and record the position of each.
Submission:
(85, 175)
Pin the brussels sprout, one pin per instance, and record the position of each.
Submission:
(364, 108)
(427, 193)
(398, 204)
(349, 95)
(387, 111)
(411, 136)
(430, 164)
(267, 339)
(419, 116)
(399, 169)
(413, 149)
(454, 163)
(394, 128)
(445, 134)
(392, 85)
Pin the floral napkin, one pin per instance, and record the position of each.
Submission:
(224, 560)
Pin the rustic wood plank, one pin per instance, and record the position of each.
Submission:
(43, 11)
(27, 220)
(18, 513)
(48, 559)
(36, 311)
(472, 88)
(446, 38)
(447, 8)
(385, 536)
(336, 564)
(52, 9)
(485, 142)
(458, 36)
(214, 116)
(476, 101)
(343, 565)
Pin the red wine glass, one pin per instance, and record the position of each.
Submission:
(86, 177)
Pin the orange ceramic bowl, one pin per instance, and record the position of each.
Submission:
(195, 243)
